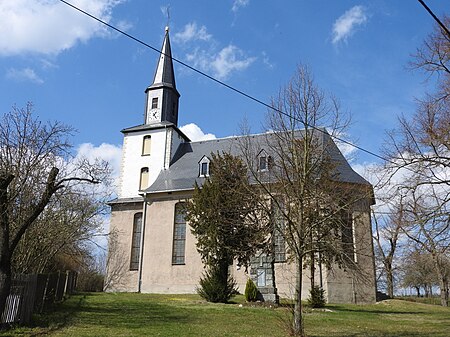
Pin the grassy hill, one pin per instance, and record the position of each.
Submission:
(106, 314)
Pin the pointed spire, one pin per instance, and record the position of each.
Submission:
(164, 74)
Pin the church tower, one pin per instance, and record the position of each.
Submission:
(162, 95)
(148, 148)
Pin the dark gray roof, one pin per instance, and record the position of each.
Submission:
(184, 168)
(154, 126)
(164, 74)
(125, 200)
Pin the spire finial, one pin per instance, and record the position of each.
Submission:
(168, 18)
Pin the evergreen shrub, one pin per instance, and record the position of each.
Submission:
(251, 291)
(216, 286)
(316, 297)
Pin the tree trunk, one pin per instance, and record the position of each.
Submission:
(313, 270)
(390, 282)
(298, 328)
(418, 291)
(5, 282)
(443, 284)
(5, 256)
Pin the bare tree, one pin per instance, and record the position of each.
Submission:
(418, 271)
(302, 184)
(35, 166)
(428, 226)
(420, 147)
(387, 232)
(66, 227)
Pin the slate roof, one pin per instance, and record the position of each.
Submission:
(160, 125)
(164, 74)
(184, 169)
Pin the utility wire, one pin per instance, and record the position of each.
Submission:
(240, 92)
(435, 17)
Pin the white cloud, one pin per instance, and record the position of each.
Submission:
(221, 64)
(24, 75)
(347, 150)
(192, 32)
(107, 152)
(230, 59)
(238, 4)
(346, 24)
(195, 133)
(49, 27)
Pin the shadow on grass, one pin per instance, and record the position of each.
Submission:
(363, 310)
(98, 315)
(58, 316)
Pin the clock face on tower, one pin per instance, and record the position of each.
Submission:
(153, 115)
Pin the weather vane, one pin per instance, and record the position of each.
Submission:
(168, 15)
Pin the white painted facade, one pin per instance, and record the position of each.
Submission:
(133, 160)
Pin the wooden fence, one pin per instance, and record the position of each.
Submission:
(34, 293)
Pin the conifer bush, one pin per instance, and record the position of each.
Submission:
(213, 286)
(251, 291)
(316, 297)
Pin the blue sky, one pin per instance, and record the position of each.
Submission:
(87, 76)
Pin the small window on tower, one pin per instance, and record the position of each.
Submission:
(154, 102)
(143, 184)
(146, 145)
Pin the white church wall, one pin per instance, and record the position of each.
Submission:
(135, 161)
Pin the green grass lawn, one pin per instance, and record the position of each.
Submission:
(106, 314)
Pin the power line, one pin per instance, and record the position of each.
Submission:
(435, 17)
(240, 92)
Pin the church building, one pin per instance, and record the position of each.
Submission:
(152, 248)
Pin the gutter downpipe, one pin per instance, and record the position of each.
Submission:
(141, 251)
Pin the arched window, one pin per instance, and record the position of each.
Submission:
(143, 184)
(136, 241)
(146, 145)
(179, 234)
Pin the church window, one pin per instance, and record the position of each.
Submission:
(204, 167)
(348, 244)
(146, 145)
(154, 102)
(143, 184)
(278, 238)
(136, 242)
(179, 234)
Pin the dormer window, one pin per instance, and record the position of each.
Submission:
(263, 161)
(204, 167)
